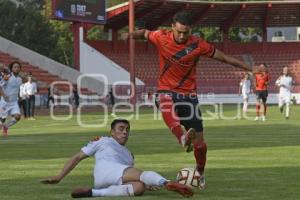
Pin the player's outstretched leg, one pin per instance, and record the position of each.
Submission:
(200, 150)
(173, 122)
(179, 188)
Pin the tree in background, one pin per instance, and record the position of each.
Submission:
(25, 23)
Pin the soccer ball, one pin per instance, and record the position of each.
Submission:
(188, 176)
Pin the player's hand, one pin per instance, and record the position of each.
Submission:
(125, 36)
(6, 77)
(51, 180)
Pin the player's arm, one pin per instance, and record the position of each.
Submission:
(139, 34)
(69, 166)
(220, 56)
(293, 84)
(277, 82)
(240, 88)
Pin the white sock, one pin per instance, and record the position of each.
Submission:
(152, 178)
(245, 106)
(287, 110)
(114, 190)
(10, 122)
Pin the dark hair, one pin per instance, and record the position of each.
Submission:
(116, 121)
(184, 18)
(12, 64)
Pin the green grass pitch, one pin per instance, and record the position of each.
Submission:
(247, 160)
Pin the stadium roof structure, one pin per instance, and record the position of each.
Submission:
(154, 13)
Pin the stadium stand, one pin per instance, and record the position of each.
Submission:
(212, 76)
(43, 77)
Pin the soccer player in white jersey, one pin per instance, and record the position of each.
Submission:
(285, 83)
(245, 89)
(9, 93)
(114, 173)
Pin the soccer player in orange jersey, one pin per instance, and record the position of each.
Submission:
(179, 52)
(261, 83)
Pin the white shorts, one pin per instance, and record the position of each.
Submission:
(9, 108)
(284, 99)
(108, 173)
(245, 95)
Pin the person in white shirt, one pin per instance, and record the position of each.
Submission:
(9, 93)
(30, 88)
(245, 89)
(114, 171)
(22, 95)
(285, 83)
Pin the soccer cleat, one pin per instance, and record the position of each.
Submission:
(263, 118)
(187, 139)
(202, 184)
(184, 190)
(287, 118)
(256, 118)
(4, 130)
(81, 192)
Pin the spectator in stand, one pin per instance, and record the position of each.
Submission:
(30, 88)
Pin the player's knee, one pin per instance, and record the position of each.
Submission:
(138, 188)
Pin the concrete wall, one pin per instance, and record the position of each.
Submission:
(93, 62)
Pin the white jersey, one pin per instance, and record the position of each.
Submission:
(30, 88)
(11, 88)
(246, 85)
(108, 149)
(22, 91)
(285, 83)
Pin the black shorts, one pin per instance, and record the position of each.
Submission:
(187, 109)
(262, 94)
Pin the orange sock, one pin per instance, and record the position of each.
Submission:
(200, 149)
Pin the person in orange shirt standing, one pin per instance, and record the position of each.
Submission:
(261, 83)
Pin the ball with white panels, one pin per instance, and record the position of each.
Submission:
(188, 176)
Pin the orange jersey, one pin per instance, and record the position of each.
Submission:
(177, 62)
(262, 80)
